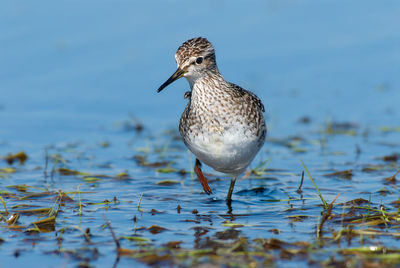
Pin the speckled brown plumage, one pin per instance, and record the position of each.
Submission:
(222, 124)
(237, 105)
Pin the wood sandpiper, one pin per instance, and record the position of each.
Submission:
(223, 124)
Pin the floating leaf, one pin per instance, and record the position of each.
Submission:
(166, 170)
(297, 218)
(34, 195)
(173, 244)
(274, 231)
(66, 171)
(122, 175)
(384, 191)
(346, 174)
(299, 149)
(7, 170)
(23, 206)
(232, 224)
(16, 227)
(200, 252)
(390, 158)
(341, 128)
(152, 259)
(24, 187)
(167, 182)
(136, 238)
(373, 168)
(155, 229)
(20, 156)
(338, 153)
(142, 161)
(63, 197)
(12, 220)
(91, 179)
(389, 129)
(154, 211)
(105, 144)
(21, 187)
(273, 243)
(35, 211)
(126, 251)
(105, 202)
(46, 225)
(290, 142)
(7, 194)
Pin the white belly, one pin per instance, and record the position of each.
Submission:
(230, 152)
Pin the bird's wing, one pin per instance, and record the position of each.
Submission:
(245, 93)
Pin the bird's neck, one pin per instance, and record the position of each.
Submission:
(206, 80)
(206, 89)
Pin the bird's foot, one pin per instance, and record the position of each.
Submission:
(202, 179)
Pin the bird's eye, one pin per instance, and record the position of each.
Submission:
(199, 60)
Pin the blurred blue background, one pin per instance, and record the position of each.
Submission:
(68, 67)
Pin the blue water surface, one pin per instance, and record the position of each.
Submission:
(72, 73)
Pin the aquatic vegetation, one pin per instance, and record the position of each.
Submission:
(284, 210)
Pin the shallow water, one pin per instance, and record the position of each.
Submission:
(75, 78)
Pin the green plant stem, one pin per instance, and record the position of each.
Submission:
(319, 193)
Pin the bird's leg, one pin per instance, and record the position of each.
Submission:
(200, 176)
(230, 191)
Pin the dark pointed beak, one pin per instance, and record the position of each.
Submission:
(178, 74)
